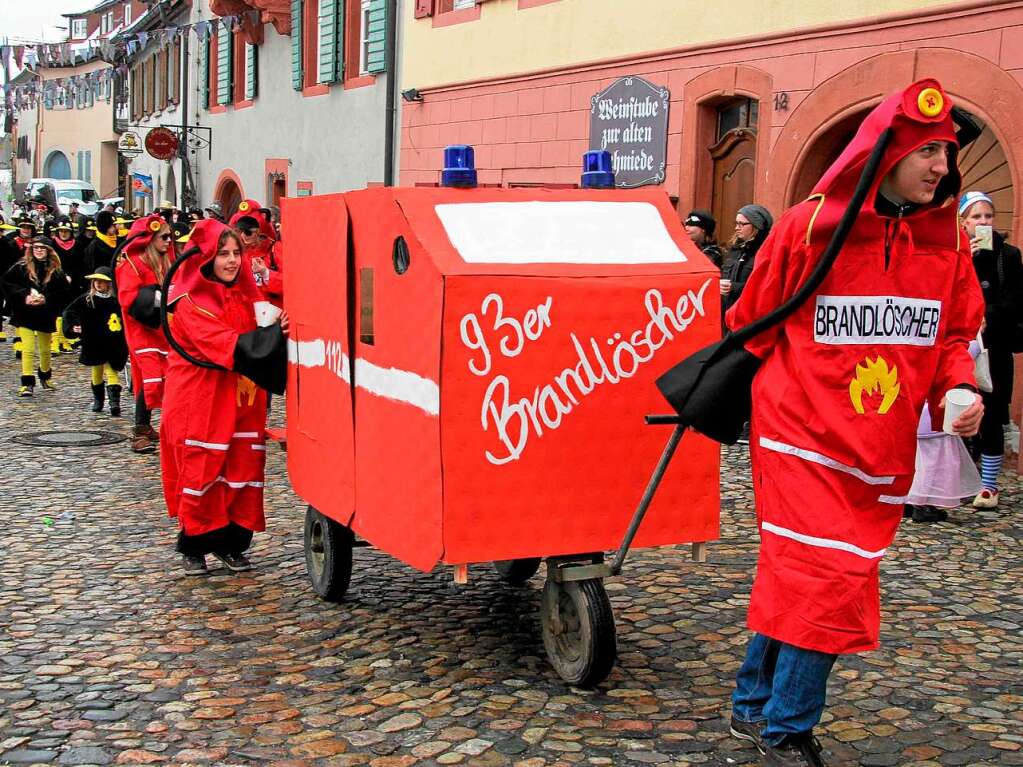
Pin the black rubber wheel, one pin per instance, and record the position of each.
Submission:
(328, 555)
(579, 630)
(517, 571)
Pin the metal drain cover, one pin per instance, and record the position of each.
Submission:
(68, 438)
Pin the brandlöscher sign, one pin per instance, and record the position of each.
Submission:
(629, 119)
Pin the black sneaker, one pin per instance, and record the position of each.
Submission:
(803, 750)
(194, 565)
(929, 514)
(751, 732)
(236, 563)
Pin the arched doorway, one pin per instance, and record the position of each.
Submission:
(229, 193)
(57, 165)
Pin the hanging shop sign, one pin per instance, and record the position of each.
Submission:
(629, 119)
(130, 145)
(162, 143)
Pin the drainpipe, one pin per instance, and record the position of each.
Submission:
(390, 64)
(183, 106)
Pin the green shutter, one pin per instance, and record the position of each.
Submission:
(204, 72)
(251, 71)
(331, 41)
(376, 57)
(296, 44)
(225, 65)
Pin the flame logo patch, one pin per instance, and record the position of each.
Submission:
(874, 377)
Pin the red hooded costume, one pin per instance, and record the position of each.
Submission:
(137, 292)
(212, 439)
(268, 250)
(838, 397)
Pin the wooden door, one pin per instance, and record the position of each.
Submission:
(734, 157)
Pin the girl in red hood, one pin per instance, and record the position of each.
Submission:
(836, 403)
(261, 248)
(144, 260)
(213, 446)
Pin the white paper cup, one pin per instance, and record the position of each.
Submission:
(266, 313)
(956, 403)
(985, 235)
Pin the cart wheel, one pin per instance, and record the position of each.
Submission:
(517, 571)
(328, 555)
(579, 630)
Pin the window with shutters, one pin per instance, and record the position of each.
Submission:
(127, 14)
(225, 65)
(329, 40)
(204, 72)
(251, 71)
(78, 29)
(160, 87)
(297, 44)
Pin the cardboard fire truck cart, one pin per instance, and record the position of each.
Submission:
(469, 371)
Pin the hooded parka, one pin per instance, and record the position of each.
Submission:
(212, 440)
(838, 397)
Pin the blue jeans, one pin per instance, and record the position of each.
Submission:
(782, 684)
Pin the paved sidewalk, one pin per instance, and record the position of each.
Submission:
(109, 655)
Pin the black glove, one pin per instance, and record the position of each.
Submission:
(261, 356)
(145, 308)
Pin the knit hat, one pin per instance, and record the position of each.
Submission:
(703, 219)
(970, 199)
(104, 220)
(757, 215)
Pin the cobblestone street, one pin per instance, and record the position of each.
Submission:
(109, 655)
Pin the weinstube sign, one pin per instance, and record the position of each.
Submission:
(629, 119)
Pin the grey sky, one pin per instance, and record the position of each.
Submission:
(32, 20)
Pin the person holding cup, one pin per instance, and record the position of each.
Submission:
(227, 343)
(837, 398)
(1000, 273)
(752, 225)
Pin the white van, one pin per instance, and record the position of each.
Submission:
(61, 192)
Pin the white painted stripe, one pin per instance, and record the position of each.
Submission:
(150, 350)
(823, 543)
(391, 383)
(232, 485)
(207, 445)
(895, 499)
(245, 435)
(399, 385)
(823, 460)
(152, 380)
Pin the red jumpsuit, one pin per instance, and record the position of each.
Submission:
(838, 397)
(212, 438)
(146, 343)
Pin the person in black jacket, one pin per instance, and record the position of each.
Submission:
(700, 226)
(65, 245)
(101, 249)
(1000, 273)
(752, 225)
(95, 317)
(36, 290)
(13, 246)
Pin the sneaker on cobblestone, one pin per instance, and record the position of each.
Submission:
(803, 750)
(751, 732)
(194, 565)
(236, 563)
(26, 391)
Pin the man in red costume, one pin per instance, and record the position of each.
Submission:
(836, 404)
(212, 438)
(261, 249)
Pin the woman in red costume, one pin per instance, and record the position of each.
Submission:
(144, 259)
(261, 248)
(836, 404)
(213, 445)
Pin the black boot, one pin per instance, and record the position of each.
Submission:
(114, 394)
(97, 398)
(46, 379)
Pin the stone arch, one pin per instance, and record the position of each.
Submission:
(701, 97)
(229, 192)
(974, 83)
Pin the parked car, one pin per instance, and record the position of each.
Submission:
(61, 192)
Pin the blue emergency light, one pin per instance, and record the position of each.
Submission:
(597, 172)
(459, 166)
